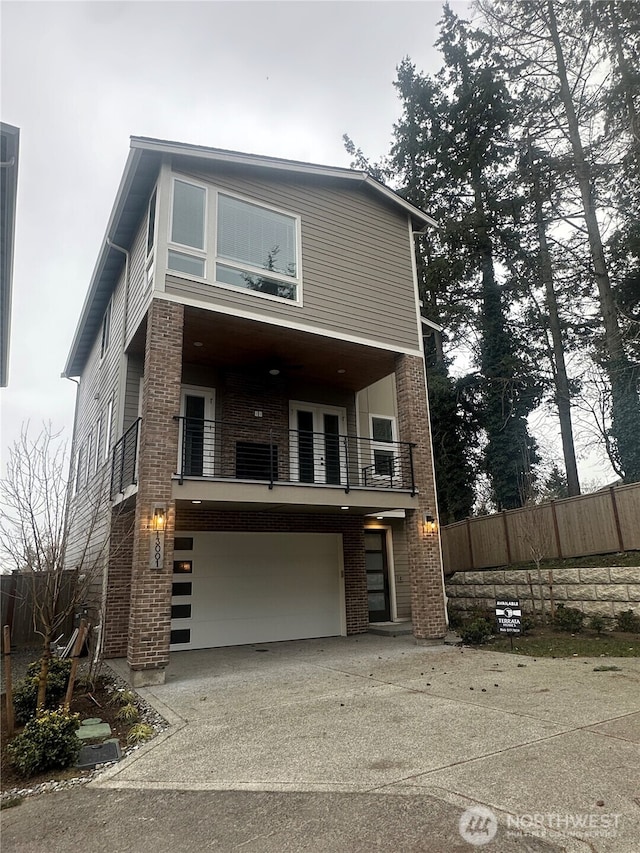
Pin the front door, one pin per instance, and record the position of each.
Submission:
(375, 553)
(317, 452)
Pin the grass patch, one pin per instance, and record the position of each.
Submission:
(550, 643)
(10, 802)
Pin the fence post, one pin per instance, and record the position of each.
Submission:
(506, 536)
(614, 506)
(6, 637)
(556, 529)
(471, 561)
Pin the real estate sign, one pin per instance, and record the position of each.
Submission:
(509, 616)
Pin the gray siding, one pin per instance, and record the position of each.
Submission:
(135, 369)
(88, 514)
(139, 293)
(356, 260)
(401, 568)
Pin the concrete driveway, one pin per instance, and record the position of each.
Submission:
(551, 747)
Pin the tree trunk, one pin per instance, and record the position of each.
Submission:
(43, 675)
(562, 395)
(625, 415)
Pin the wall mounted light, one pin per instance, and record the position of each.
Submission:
(159, 520)
(428, 523)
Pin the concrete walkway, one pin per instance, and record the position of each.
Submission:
(374, 743)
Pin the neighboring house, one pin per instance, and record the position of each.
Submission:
(9, 149)
(251, 369)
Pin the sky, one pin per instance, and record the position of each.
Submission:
(286, 79)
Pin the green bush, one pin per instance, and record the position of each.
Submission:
(25, 693)
(629, 621)
(598, 622)
(569, 619)
(47, 742)
(476, 632)
(457, 616)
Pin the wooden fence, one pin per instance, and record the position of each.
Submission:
(16, 596)
(599, 523)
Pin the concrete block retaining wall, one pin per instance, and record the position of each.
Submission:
(607, 591)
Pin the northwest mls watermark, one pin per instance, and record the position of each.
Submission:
(478, 825)
(579, 824)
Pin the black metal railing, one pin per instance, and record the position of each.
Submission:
(257, 452)
(124, 460)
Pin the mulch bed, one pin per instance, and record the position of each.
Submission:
(94, 703)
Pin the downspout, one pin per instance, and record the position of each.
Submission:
(122, 379)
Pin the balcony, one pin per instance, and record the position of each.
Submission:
(253, 453)
(124, 462)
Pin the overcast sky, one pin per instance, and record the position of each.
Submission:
(279, 78)
(78, 78)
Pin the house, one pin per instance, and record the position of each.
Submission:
(9, 150)
(251, 377)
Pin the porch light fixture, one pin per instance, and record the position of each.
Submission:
(344, 507)
(196, 502)
(159, 520)
(428, 523)
(156, 549)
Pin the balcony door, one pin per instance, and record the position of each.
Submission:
(318, 453)
(197, 432)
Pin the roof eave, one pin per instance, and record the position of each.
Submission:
(71, 369)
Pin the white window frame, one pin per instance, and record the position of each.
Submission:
(318, 410)
(151, 250)
(96, 460)
(382, 445)
(108, 428)
(181, 248)
(209, 396)
(259, 271)
(209, 255)
(105, 330)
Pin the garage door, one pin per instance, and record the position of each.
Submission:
(235, 588)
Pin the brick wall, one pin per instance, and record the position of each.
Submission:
(351, 528)
(423, 549)
(118, 598)
(606, 591)
(150, 616)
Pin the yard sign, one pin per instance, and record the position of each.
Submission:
(509, 616)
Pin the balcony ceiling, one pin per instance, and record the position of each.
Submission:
(229, 341)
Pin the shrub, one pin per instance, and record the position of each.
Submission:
(569, 619)
(629, 621)
(128, 713)
(476, 632)
(139, 733)
(457, 616)
(25, 694)
(47, 742)
(598, 622)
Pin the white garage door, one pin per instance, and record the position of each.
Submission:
(236, 588)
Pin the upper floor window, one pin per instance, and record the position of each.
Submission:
(257, 247)
(383, 433)
(106, 331)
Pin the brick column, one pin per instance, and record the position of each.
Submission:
(355, 577)
(425, 564)
(150, 616)
(118, 595)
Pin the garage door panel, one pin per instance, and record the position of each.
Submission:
(264, 587)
